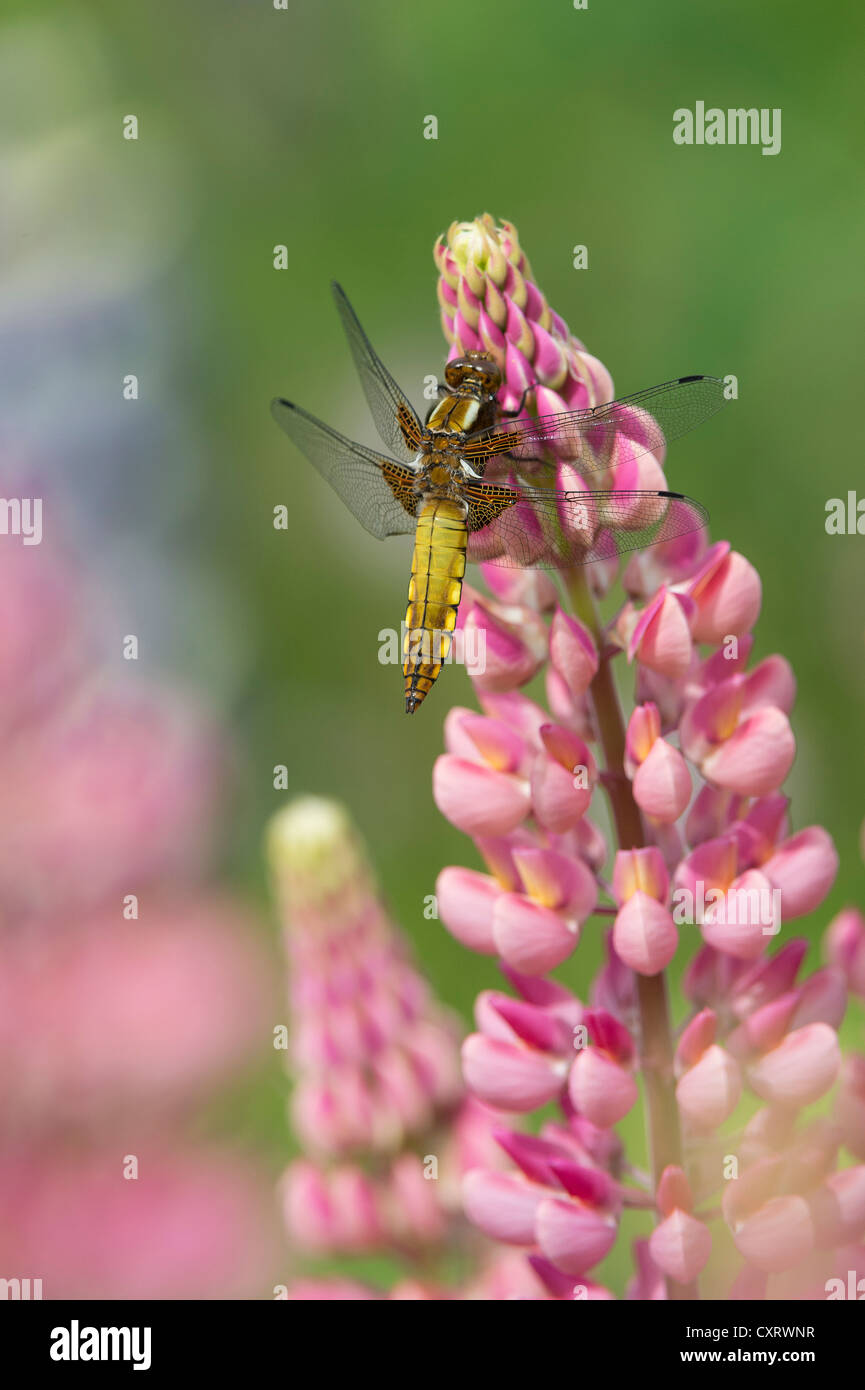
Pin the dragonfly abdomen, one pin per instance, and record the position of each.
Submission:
(437, 570)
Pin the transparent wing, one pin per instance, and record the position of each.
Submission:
(525, 528)
(395, 419)
(378, 490)
(648, 420)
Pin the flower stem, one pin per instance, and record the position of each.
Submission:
(656, 1041)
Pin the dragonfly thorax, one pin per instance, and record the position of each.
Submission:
(441, 475)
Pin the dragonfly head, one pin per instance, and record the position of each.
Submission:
(476, 373)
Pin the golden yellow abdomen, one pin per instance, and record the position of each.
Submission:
(437, 570)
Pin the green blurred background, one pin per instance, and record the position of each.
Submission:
(304, 127)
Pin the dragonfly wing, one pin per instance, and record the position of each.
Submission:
(395, 419)
(642, 423)
(378, 490)
(554, 530)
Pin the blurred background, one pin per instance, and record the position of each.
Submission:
(304, 128)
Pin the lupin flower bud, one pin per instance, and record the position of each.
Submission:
(490, 302)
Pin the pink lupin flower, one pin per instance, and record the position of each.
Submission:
(644, 934)
(478, 798)
(396, 1071)
(330, 1212)
(767, 979)
(727, 594)
(737, 910)
(849, 1111)
(776, 1235)
(374, 1057)
(659, 636)
(600, 1084)
(568, 1210)
(804, 869)
(502, 1205)
(65, 1212)
(44, 643)
(520, 587)
(648, 1284)
(562, 779)
(53, 856)
(845, 948)
(574, 1235)
(710, 1081)
(749, 754)
(662, 783)
(838, 1207)
(510, 640)
(566, 1286)
(703, 837)
(538, 928)
(680, 1245)
(800, 1069)
(572, 653)
(511, 1075)
(466, 900)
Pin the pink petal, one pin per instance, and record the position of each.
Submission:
(502, 1205)
(728, 600)
(572, 652)
(466, 900)
(777, 1235)
(476, 799)
(804, 868)
(600, 1089)
(645, 935)
(662, 784)
(709, 1092)
(681, 1246)
(756, 758)
(573, 1236)
(800, 1069)
(509, 1076)
(532, 938)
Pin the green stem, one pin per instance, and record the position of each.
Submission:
(656, 1038)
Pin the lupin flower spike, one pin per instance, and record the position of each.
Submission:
(705, 869)
(377, 1097)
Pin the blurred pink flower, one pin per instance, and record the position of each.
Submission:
(115, 791)
(45, 647)
(377, 1105)
(192, 1224)
(110, 1015)
(128, 993)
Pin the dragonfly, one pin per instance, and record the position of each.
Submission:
(475, 483)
